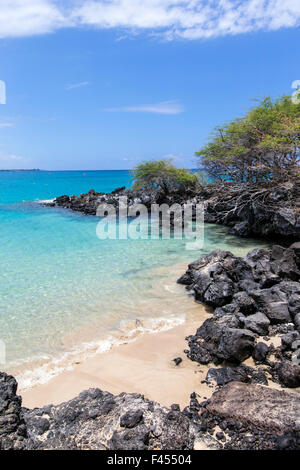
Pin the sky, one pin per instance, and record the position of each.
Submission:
(106, 84)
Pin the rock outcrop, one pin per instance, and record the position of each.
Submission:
(243, 416)
(93, 420)
(13, 430)
(238, 416)
(269, 212)
(253, 297)
(248, 211)
(275, 411)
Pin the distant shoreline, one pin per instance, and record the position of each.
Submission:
(33, 169)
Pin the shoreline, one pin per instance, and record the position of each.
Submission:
(151, 319)
(142, 336)
(143, 366)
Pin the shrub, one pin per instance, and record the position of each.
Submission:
(163, 175)
(264, 145)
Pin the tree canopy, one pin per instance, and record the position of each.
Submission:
(261, 146)
(163, 175)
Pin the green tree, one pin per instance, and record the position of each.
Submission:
(261, 146)
(163, 175)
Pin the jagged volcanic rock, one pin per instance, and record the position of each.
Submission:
(251, 296)
(248, 210)
(93, 420)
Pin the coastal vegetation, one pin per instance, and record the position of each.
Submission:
(262, 146)
(163, 175)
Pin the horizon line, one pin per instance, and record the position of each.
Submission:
(40, 169)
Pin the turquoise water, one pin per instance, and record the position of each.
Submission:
(61, 287)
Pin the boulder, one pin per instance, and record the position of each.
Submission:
(247, 285)
(13, 431)
(294, 304)
(218, 293)
(260, 352)
(260, 261)
(278, 312)
(62, 201)
(214, 277)
(241, 229)
(297, 321)
(286, 222)
(289, 374)
(288, 339)
(275, 411)
(213, 328)
(224, 375)
(273, 302)
(283, 263)
(236, 345)
(296, 248)
(245, 303)
(204, 344)
(258, 323)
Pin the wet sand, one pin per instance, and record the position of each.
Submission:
(144, 366)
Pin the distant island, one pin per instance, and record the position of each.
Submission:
(21, 169)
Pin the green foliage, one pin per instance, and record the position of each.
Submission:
(163, 175)
(261, 146)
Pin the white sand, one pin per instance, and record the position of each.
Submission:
(144, 366)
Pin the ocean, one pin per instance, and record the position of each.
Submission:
(63, 292)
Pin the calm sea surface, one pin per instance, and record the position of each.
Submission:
(63, 290)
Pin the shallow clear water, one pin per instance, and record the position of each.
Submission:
(60, 285)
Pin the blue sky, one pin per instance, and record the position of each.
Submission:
(104, 85)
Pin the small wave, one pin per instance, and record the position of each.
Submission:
(129, 331)
(45, 201)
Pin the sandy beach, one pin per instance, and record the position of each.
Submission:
(144, 366)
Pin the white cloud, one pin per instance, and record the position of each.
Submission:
(30, 17)
(165, 107)
(76, 85)
(11, 158)
(190, 19)
(6, 124)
